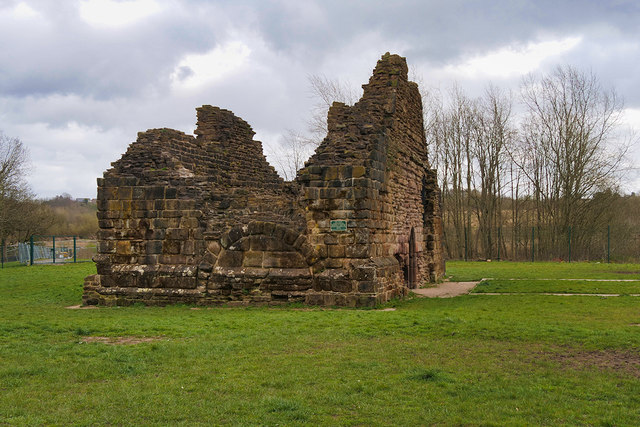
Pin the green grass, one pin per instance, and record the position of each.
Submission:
(470, 271)
(11, 264)
(558, 286)
(514, 359)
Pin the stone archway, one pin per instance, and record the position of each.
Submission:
(262, 261)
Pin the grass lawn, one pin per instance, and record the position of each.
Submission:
(474, 359)
(559, 286)
(470, 271)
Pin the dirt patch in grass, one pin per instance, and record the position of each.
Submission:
(627, 272)
(620, 360)
(130, 340)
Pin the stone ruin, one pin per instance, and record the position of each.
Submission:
(206, 220)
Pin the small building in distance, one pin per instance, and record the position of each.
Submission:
(207, 220)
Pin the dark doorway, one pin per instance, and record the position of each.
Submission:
(412, 276)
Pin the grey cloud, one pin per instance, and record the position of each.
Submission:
(64, 55)
(116, 82)
(184, 72)
(443, 30)
(68, 56)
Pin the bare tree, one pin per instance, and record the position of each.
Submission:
(557, 174)
(20, 215)
(327, 91)
(451, 135)
(559, 170)
(569, 150)
(493, 134)
(295, 149)
(14, 161)
(25, 217)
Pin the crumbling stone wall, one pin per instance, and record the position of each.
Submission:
(372, 171)
(172, 213)
(207, 220)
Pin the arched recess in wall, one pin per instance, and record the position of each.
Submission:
(264, 245)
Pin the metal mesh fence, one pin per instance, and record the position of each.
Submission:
(571, 243)
(9, 253)
(49, 250)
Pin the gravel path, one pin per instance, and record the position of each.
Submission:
(446, 290)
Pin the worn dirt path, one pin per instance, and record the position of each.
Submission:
(446, 290)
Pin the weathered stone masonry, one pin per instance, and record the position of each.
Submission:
(207, 220)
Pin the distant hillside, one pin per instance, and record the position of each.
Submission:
(73, 217)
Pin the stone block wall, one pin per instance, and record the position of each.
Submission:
(169, 207)
(372, 171)
(207, 220)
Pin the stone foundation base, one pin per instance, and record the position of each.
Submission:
(96, 294)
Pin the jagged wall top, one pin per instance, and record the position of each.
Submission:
(222, 126)
(230, 139)
(224, 153)
(355, 131)
(389, 71)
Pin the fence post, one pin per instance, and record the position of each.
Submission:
(53, 254)
(2, 255)
(499, 243)
(74, 249)
(31, 250)
(569, 244)
(533, 243)
(608, 244)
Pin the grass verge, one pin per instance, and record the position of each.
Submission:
(472, 271)
(521, 359)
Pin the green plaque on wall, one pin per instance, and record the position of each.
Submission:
(338, 225)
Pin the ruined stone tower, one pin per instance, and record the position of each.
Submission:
(207, 220)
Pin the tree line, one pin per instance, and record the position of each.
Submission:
(536, 173)
(23, 215)
(543, 169)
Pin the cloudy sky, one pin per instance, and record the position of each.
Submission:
(80, 78)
